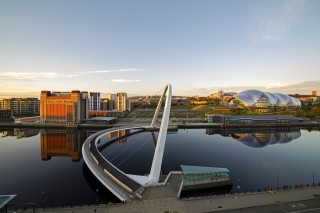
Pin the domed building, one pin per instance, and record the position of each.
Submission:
(256, 100)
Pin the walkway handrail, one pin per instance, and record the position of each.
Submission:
(99, 166)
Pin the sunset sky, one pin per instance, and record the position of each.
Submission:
(137, 46)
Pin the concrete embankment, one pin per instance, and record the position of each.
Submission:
(177, 125)
(214, 125)
(52, 126)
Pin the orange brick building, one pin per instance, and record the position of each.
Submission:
(64, 107)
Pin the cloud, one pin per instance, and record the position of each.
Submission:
(113, 71)
(32, 76)
(125, 80)
(297, 88)
(272, 20)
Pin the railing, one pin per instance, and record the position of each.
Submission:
(98, 171)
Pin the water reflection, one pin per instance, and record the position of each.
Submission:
(61, 142)
(19, 133)
(255, 137)
(119, 134)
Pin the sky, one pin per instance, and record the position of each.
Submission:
(138, 46)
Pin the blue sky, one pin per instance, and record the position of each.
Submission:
(138, 46)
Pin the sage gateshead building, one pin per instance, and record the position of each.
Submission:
(256, 100)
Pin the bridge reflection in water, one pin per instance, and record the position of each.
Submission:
(259, 137)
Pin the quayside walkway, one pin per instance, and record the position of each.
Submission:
(295, 200)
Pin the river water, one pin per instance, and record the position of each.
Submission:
(46, 166)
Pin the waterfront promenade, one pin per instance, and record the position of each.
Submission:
(296, 200)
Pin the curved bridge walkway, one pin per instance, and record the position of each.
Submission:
(110, 176)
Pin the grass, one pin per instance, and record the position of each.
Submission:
(198, 107)
(182, 107)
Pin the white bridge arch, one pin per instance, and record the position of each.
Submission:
(124, 186)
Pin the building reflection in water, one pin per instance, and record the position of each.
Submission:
(61, 142)
(19, 133)
(255, 137)
(119, 134)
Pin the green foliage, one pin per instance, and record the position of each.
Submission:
(182, 107)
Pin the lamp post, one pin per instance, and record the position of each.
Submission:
(42, 199)
(277, 183)
(97, 190)
(313, 174)
(187, 118)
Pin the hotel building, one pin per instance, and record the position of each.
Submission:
(67, 108)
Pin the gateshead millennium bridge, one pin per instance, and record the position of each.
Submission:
(125, 186)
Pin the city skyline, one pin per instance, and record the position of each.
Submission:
(198, 47)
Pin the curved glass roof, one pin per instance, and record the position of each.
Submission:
(251, 97)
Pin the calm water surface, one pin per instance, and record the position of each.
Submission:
(46, 166)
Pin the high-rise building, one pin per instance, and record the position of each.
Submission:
(94, 101)
(112, 101)
(63, 107)
(314, 93)
(21, 106)
(122, 101)
(104, 104)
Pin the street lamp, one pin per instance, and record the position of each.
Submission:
(277, 183)
(313, 174)
(42, 199)
(97, 190)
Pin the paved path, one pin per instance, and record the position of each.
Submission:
(297, 200)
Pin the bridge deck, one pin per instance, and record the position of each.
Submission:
(99, 172)
(116, 181)
(105, 164)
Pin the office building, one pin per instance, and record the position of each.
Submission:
(67, 108)
(21, 106)
(94, 101)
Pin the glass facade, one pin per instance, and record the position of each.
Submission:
(264, 101)
(198, 173)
